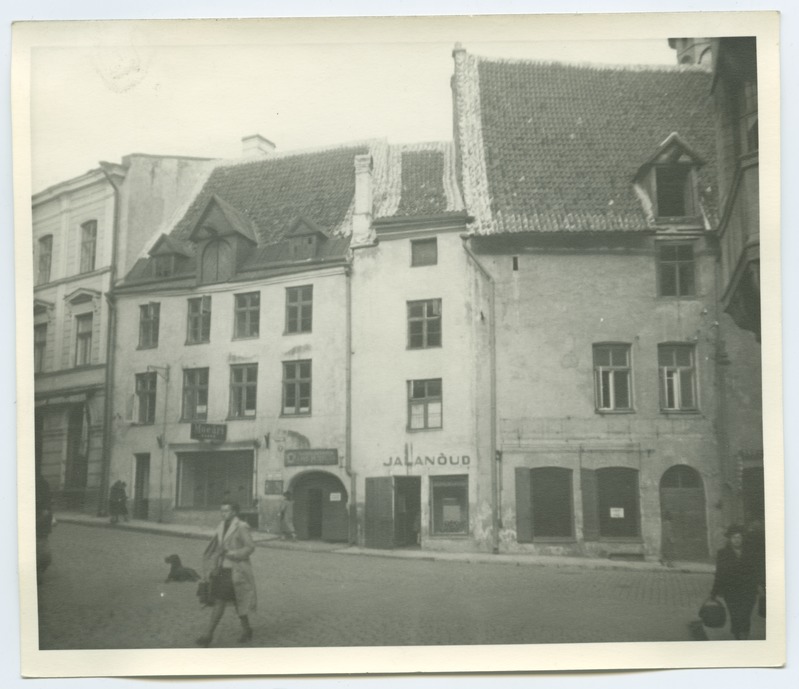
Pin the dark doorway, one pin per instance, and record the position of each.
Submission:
(141, 487)
(314, 513)
(617, 493)
(753, 494)
(407, 511)
(682, 498)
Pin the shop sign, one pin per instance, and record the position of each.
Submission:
(305, 458)
(429, 460)
(209, 431)
(617, 513)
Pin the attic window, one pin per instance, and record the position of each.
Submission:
(164, 265)
(674, 191)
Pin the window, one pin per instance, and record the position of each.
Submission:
(145, 392)
(676, 276)
(199, 322)
(424, 252)
(247, 316)
(296, 387)
(163, 265)
(39, 346)
(149, 315)
(243, 390)
(88, 246)
(45, 259)
(218, 261)
(83, 339)
(747, 117)
(612, 377)
(677, 377)
(449, 497)
(195, 394)
(424, 324)
(617, 498)
(551, 497)
(674, 191)
(299, 309)
(208, 479)
(424, 404)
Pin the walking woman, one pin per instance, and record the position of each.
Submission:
(226, 564)
(736, 581)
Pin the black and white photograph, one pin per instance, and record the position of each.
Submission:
(400, 344)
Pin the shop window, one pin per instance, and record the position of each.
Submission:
(425, 404)
(424, 324)
(195, 394)
(296, 387)
(198, 329)
(145, 394)
(449, 498)
(247, 315)
(243, 390)
(676, 270)
(677, 377)
(149, 317)
(84, 326)
(424, 252)
(88, 246)
(208, 479)
(551, 497)
(612, 377)
(39, 346)
(299, 309)
(45, 259)
(616, 502)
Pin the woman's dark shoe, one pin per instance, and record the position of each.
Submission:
(246, 636)
(204, 641)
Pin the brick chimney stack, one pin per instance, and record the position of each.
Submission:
(362, 232)
(256, 146)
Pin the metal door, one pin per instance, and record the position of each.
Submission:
(379, 512)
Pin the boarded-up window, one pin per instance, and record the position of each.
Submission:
(617, 498)
(551, 490)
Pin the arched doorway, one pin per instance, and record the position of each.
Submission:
(682, 499)
(320, 507)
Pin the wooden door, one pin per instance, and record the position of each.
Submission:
(379, 512)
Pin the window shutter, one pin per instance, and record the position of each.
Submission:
(588, 488)
(524, 514)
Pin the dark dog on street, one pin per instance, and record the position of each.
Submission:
(177, 572)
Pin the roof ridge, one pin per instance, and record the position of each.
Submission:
(236, 162)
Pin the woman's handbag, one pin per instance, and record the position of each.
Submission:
(221, 584)
(713, 614)
(204, 593)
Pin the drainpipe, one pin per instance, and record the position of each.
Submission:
(494, 455)
(353, 530)
(110, 344)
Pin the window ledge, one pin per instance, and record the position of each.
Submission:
(554, 540)
(241, 418)
(680, 412)
(614, 412)
(199, 342)
(203, 420)
(621, 539)
(421, 349)
(294, 416)
(421, 430)
(245, 337)
(450, 537)
(140, 347)
(286, 333)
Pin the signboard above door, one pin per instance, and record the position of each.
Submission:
(304, 458)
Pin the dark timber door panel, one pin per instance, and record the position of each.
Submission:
(379, 512)
(682, 497)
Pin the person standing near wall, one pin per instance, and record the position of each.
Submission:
(227, 567)
(287, 517)
(736, 581)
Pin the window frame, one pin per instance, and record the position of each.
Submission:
(676, 264)
(677, 380)
(39, 347)
(426, 319)
(146, 393)
(238, 408)
(247, 314)
(88, 246)
(299, 309)
(193, 391)
(439, 484)
(45, 259)
(149, 324)
(84, 339)
(417, 252)
(425, 401)
(613, 369)
(199, 320)
(292, 388)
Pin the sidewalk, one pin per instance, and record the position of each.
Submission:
(268, 540)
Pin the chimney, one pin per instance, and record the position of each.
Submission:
(256, 146)
(362, 232)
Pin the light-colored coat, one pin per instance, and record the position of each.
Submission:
(237, 546)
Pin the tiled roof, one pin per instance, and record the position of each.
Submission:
(555, 147)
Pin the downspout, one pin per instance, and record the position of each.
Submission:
(494, 455)
(353, 525)
(110, 344)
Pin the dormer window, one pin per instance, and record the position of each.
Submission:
(674, 189)
(164, 265)
(217, 262)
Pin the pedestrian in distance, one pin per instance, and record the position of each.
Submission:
(117, 501)
(287, 517)
(667, 541)
(736, 581)
(123, 497)
(227, 568)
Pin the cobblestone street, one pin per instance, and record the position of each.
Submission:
(105, 589)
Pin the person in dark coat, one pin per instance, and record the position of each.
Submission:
(736, 581)
(117, 501)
